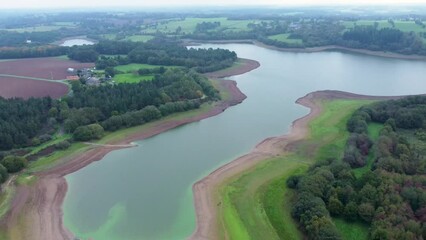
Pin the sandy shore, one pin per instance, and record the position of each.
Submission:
(36, 210)
(206, 190)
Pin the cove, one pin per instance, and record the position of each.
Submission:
(145, 192)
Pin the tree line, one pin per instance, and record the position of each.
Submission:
(385, 39)
(390, 197)
(159, 51)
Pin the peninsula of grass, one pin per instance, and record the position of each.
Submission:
(256, 203)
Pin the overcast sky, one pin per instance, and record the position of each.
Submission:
(144, 3)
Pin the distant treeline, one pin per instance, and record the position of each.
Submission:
(13, 39)
(159, 51)
(32, 52)
(390, 196)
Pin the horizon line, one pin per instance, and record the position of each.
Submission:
(183, 6)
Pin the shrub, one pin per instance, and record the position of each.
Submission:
(14, 163)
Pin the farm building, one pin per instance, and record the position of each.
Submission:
(93, 81)
(73, 78)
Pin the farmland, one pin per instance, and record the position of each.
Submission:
(188, 25)
(34, 77)
(45, 68)
(25, 88)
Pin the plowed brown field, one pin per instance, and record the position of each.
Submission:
(26, 88)
(51, 68)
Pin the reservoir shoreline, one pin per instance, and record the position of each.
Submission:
(206, 190)
(44, 209)
(36, 210)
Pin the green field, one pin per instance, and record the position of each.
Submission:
(188, 25)
(351, 230)
(131, 78)
(130, 75)
(139, 38)
(284, 38)
(134, 67)
(405, 26)
(256, 204)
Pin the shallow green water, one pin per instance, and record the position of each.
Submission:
(145, 192)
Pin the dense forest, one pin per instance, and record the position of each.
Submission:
(386, 39)
(21, 121)
(390, 196)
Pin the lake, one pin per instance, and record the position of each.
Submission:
(76, 42)
(145, 192)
